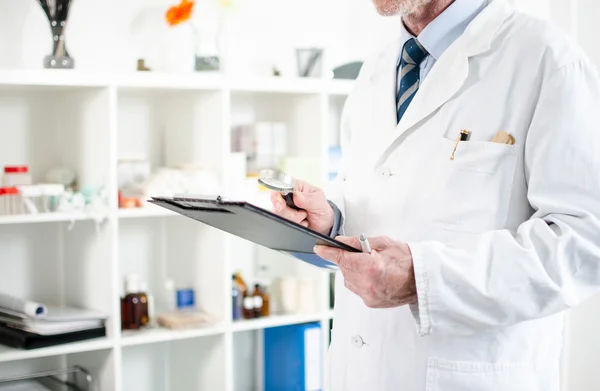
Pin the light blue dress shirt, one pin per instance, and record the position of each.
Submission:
(443, 31)
(436, 38)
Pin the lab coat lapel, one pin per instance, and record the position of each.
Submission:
(446, 77)
(383, 93)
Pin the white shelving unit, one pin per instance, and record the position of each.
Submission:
(89, 121)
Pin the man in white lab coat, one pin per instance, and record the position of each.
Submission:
(480, 239)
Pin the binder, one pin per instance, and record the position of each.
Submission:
(255, 224)
(293, 359)
(25, 340)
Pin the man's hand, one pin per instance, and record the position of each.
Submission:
(315, 212)
(383, 279)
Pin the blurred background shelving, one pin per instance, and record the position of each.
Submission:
(83, 259)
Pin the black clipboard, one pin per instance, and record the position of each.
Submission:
(255, 224)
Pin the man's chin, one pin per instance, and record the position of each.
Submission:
(399, 7)
(387, 7)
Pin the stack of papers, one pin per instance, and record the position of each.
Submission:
(58, 320)
(29, 325)
(30, 308)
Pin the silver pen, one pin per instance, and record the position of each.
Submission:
(365, 246)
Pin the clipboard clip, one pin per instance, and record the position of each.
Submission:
(199, 197)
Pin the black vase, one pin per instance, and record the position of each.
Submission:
(57, 12)
(60, 56)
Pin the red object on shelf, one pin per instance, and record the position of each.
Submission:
(16, 169)
(130, 203)
(9, 190)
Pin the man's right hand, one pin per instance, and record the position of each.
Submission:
(315, 211)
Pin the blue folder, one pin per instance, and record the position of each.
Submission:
(293, 358)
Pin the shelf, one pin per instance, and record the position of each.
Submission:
(167, 81)
(65, 79)
(132, 338)
(276, 321)
(278, 85)
(47, 218)
(52, 78)
(145, 212)
(11, 354)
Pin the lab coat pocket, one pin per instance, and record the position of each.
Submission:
(471, 192)
(443, 375)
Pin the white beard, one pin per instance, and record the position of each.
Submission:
(408, 7)
(403, 7)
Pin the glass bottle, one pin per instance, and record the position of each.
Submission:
(145, 318)
(248, 308)
(258, 301)
(132, 306)
(236, 299)
(123, 313)
(265, 311)
(241, 284)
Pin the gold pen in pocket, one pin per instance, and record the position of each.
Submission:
(463, 136)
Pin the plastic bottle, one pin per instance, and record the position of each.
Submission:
(236, 299)
(132, 306)
(170, 299)
(16, 176)
(151, 311)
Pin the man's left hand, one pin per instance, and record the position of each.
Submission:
(383, 279)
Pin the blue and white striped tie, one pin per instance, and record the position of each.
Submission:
(413, 55)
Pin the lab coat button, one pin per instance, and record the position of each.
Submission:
(357, 341)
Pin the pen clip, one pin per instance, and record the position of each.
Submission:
(463, 136)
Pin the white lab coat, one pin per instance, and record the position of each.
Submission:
(504, 238)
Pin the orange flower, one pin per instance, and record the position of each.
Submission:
(180, 13)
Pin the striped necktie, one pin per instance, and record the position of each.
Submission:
(413, 55)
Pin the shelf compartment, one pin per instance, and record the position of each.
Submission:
(303, 116)
(53, 265)
(172, 129)
(8, 354)
(195, 364)
(177, 249)
(149, 336)
(57, 128)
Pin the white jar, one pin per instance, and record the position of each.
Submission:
(16, 176)
(11, 200)
(51, 194)
(31, 197)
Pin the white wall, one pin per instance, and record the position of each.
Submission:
(261, 32)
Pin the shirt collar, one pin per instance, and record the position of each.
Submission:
(447, 27)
